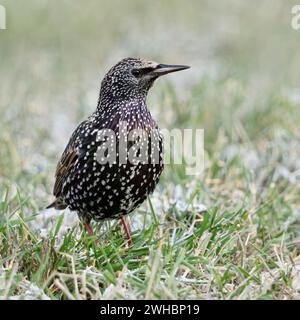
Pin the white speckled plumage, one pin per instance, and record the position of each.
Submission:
(100, 191)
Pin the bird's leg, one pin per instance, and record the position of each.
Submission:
(127, 230)
(88, 229)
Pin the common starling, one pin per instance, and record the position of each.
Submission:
(93, 177)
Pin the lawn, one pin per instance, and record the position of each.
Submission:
(231, 232)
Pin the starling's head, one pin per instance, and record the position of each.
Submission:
(134, 77)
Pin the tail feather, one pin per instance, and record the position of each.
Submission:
(58, 204)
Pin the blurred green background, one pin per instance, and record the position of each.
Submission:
(243, 84)
(244, 58)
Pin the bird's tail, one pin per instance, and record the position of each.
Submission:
(58, 204)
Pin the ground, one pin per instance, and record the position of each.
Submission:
(231, 232)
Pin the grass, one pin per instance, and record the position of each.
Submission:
(246, 244)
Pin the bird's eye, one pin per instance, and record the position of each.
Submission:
(136, 72)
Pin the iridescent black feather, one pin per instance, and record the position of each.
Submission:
(100, 191)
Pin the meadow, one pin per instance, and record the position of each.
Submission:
(230, 233)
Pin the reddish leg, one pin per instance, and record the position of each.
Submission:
(127, 231)
(88, 229)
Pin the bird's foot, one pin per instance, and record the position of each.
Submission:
(127, 231)
(90, 233)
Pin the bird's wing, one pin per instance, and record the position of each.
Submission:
(64, 166)
(67, 161)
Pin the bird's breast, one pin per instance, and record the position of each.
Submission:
(119, 164)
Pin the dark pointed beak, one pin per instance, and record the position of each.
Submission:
(162, 69)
